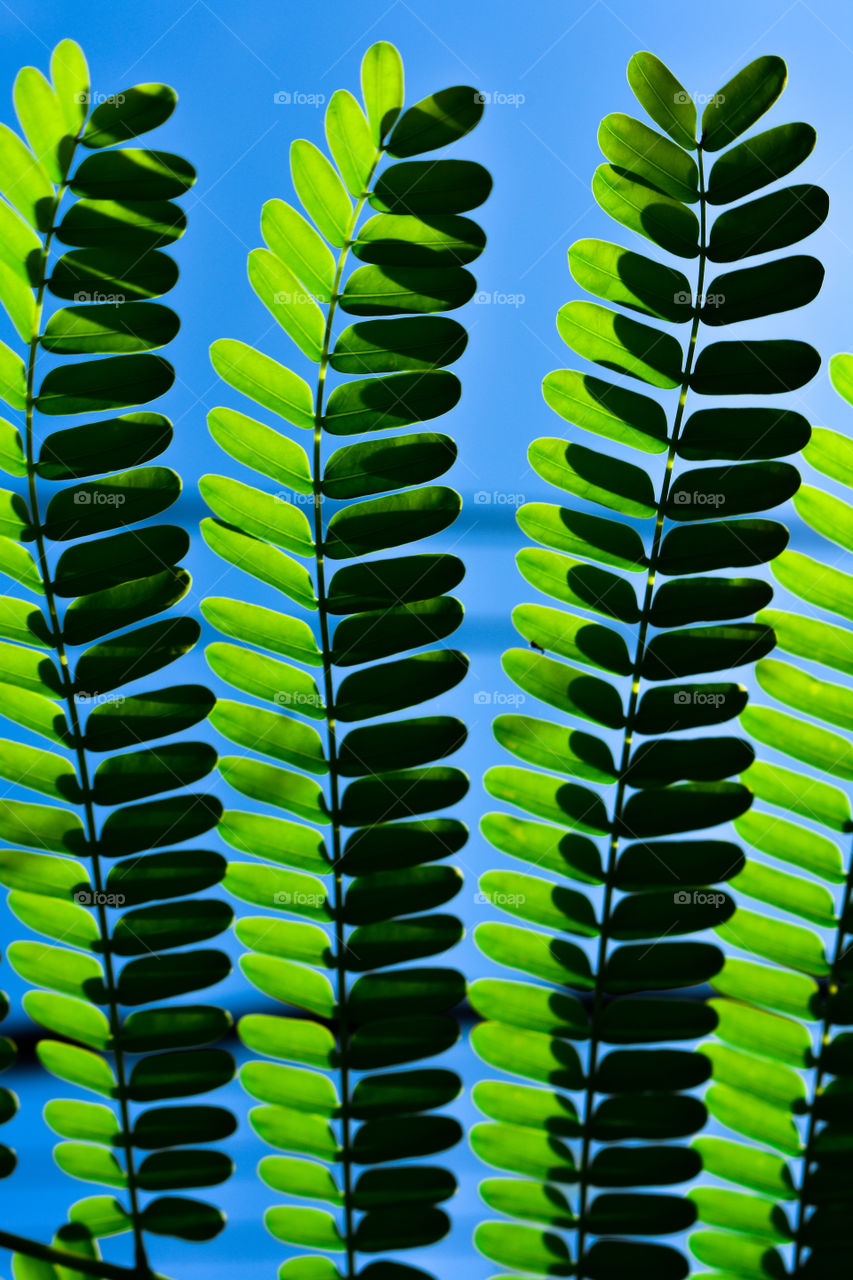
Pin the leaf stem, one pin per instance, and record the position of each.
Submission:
(340, 958)
(630, 721)
(97, 1267)
(820, 1070)
(78, 740)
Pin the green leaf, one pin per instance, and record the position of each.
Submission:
(436, 121)
(112, 276)
(13, 376)
(128, 114)
(350, 142)
(165, 875)
(128, 721)
(623, 345)
(565, 687)
(260, 447)
(586, 642)
(91, 1164)
(274, 735)
(263, 561)
(641, 151)
(104, 384)
(426, 188)
(398, 400)
(129, 326)
(549, 798)
(271, 785)
(758, 161)
(24, 181)
(263, 515)
(98, 505)
(759, 291)
(263, 627)
(741, 434)
(526, 1248)
(42, 121)
(299, 247)
(764, 367)
(586, 473)
(742, 101)
(140, 225)
(275, 839)
(401, 240)
(666, 100)
(607, 410)
(375, 466)
(264, 380)
(77, 1066)
(321, 191)
(393, 346)
(182, 1218)
(581, 585)
(770, 222)
(548, 847)
(631, 280)
(132, 174)
(644, 209)
(285, 298)
(76, 452)
(380, 291)
(555, 747)
(747, 1167)
(70, 76)
(382, 88)
(776, 940)
(107, 665)
(390, 521)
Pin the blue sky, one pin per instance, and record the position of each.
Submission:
(552, 71)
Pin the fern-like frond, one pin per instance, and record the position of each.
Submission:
(782, 1066)
(640, 646)
(349, 881)
(88, 855)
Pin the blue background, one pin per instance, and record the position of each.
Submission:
(562, 67)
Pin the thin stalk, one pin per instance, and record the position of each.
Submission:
(77, 742)
(820, 1070)
(331, 732)
(97, 1267)
(630, 720)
